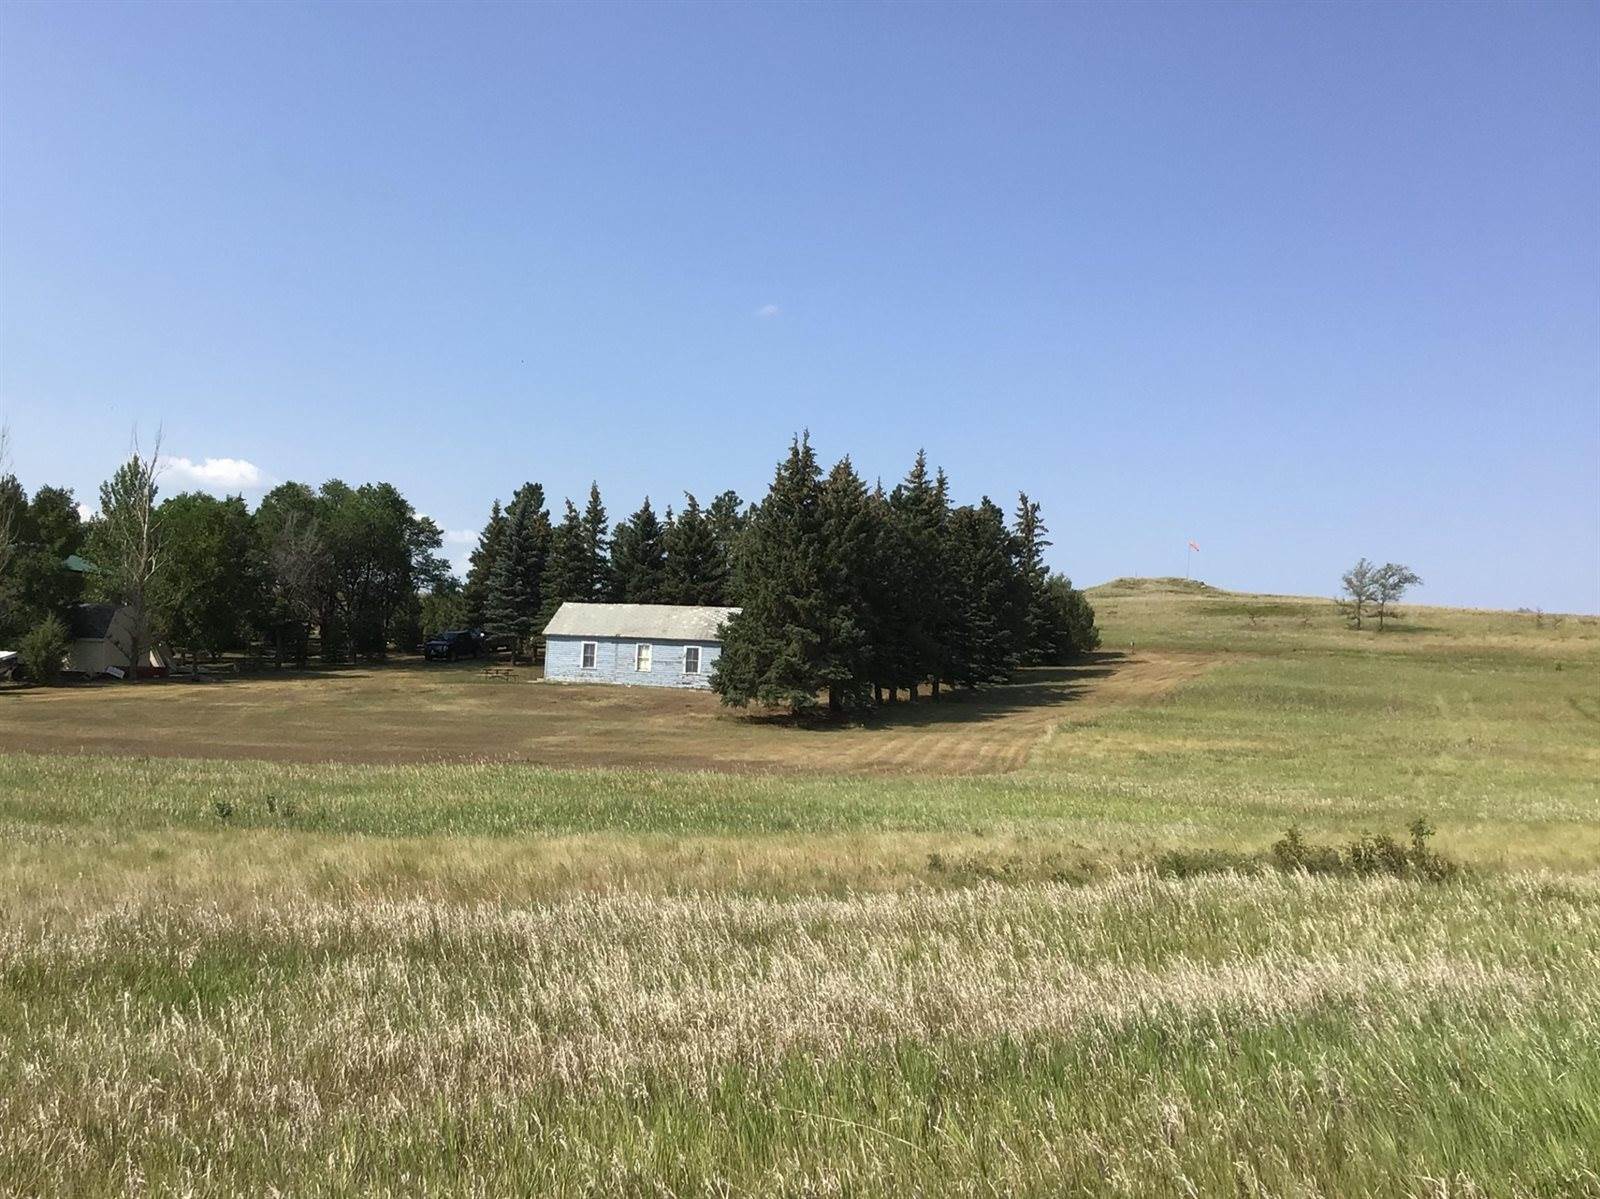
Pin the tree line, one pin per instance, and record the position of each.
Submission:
(864, 593)
(526, 565)
(208, 575)
(857, 595)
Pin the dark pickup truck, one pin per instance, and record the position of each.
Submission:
(453, 644)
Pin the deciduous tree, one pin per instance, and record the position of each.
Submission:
(46, 530)
(442, 608)
(126, 543)
(1360, 591)
(1390, 582)
(212, 589)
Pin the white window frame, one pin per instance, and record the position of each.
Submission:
(699, 659)
(589, 650)
(644, 655)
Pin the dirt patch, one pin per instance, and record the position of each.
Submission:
(409, 711)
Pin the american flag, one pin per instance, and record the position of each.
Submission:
(1194, 547)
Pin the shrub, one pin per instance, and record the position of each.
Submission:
(42, 649)
(1187, 863)
(1425, 861)
(1011, 869)
(1368, 854)
(1294, 852)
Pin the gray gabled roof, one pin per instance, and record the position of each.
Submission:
(664, 622)
(91, 620)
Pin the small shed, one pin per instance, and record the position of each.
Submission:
(634, 645)
(102, 639)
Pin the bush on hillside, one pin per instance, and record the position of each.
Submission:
(42, 649)
(1368, 854)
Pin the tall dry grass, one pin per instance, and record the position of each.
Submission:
(1136, 1036)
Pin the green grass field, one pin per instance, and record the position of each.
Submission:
(226, 976)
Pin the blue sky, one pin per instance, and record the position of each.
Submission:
(1299, 282)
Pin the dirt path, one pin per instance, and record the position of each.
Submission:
(411, 712)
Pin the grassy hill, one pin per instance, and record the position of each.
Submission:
(1072, 971)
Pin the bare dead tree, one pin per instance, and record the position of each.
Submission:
(131, 541)
(298, 557)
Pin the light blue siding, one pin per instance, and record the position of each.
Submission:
(614, 659)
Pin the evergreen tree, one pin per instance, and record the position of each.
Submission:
(695, 571)
(893, 658)
(567, 570)
(596, 547)
(1072, 627)
(921, 511)
(728, 518)
(772, 651)
(1040, 642)
(639, 559)
(515, 597)
(475, 594)
(846, 625)
(989, 597)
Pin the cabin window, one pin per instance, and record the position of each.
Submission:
(589, 651)
(641, 658)
(691, 659)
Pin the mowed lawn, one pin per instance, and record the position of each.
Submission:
(409, 710)
(627, 944)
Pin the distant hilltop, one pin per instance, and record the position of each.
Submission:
(1164, 585)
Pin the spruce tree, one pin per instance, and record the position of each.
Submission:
(727, 517)
(846, 628)
(1072, 629)
(893, 659)
(921, 509)
(772, 650)
(596, 547)
(639, 559)
(695, 571)
(515, 599)
(567, 569)
(1040, 644)
(475, 594)
(988, 597)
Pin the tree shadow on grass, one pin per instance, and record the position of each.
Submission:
(1034, 688)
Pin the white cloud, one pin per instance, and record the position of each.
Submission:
(461, 536)
(87, 513)
(767, 311)
(227, 475)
